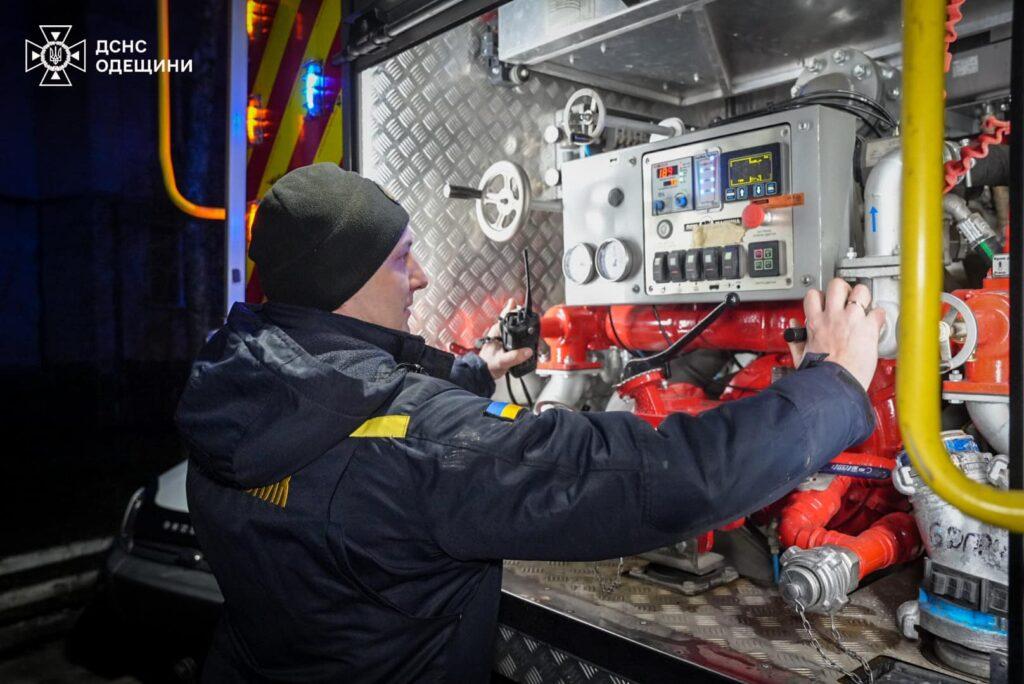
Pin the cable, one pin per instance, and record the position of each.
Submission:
(529, 399)
(882, 113)
(508, 386)
(693, 371)
(852, 97)
(846, 107)
(618, 340)
(859, 105)
(864, 108)
(869, 117)
(657, 317)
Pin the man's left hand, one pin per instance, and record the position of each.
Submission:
(494, 355)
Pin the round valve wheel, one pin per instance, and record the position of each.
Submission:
(963, 331)
(584, 116)
(505, 205)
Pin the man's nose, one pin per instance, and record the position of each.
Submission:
(419, 279)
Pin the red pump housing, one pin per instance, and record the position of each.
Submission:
(866, 516)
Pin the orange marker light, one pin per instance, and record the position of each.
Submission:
(257, 122)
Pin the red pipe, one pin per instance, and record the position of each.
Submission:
(804, 517)
(572, 331)
(891, 539)
(756, 326)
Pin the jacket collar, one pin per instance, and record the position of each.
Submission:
(323, 331)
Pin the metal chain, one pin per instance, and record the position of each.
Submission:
(604, 586)
(812, 635)
(838, 640)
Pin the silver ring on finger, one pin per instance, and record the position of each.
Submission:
(854, 301)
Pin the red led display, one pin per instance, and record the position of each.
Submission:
(667, 171)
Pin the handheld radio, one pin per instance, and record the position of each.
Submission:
(521, 328)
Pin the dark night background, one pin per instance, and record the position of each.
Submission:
(106, 289)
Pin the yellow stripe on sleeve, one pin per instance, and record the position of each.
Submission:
(383, 426)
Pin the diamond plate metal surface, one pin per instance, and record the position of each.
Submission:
(430, 116)
(522, 658)
(741, 629)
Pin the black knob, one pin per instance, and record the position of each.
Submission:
(615, 197)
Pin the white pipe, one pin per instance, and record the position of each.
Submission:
(993, 422)
(885, 295)
(564, 390)
(882, 198)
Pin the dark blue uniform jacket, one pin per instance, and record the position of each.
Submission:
(354, 497)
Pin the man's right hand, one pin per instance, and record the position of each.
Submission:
(494, 355)
(842, 325)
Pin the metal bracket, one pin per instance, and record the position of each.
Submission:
(498, 72)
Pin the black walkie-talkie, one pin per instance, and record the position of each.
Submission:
(521, 328)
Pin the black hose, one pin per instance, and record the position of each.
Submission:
(993, 169)
(1016, 455)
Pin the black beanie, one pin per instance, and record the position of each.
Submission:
(320, 233)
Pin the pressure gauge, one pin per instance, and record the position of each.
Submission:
(578, 263)
(613, 260)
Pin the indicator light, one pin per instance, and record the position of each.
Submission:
(258, 16)
(314, 87)
(257, 122)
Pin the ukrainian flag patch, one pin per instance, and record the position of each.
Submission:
(503, 410)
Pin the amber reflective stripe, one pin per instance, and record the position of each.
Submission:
(383, 426)
(270, 62)
(331, 148)
(328, 19)
(276, 493)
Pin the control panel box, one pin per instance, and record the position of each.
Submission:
(681, 233)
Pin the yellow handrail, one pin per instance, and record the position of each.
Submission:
(918, 383)
(164, 124)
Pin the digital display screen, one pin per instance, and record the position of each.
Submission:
(667, 171)
(671, 182)
(753, 168)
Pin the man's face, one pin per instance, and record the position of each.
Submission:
(386, 298)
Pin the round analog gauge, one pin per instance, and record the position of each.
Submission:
(613, 260)
(578, 263)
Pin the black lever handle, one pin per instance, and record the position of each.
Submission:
(662, 358)
(461, 192)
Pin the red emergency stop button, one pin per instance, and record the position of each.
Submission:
(754, 215)
(758, 213)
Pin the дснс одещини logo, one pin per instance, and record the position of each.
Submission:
(54, 55)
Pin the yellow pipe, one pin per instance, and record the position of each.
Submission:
(164, 125)
(917, 378)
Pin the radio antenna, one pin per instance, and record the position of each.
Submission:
(529, 284)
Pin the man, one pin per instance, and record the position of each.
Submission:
(355, 491)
